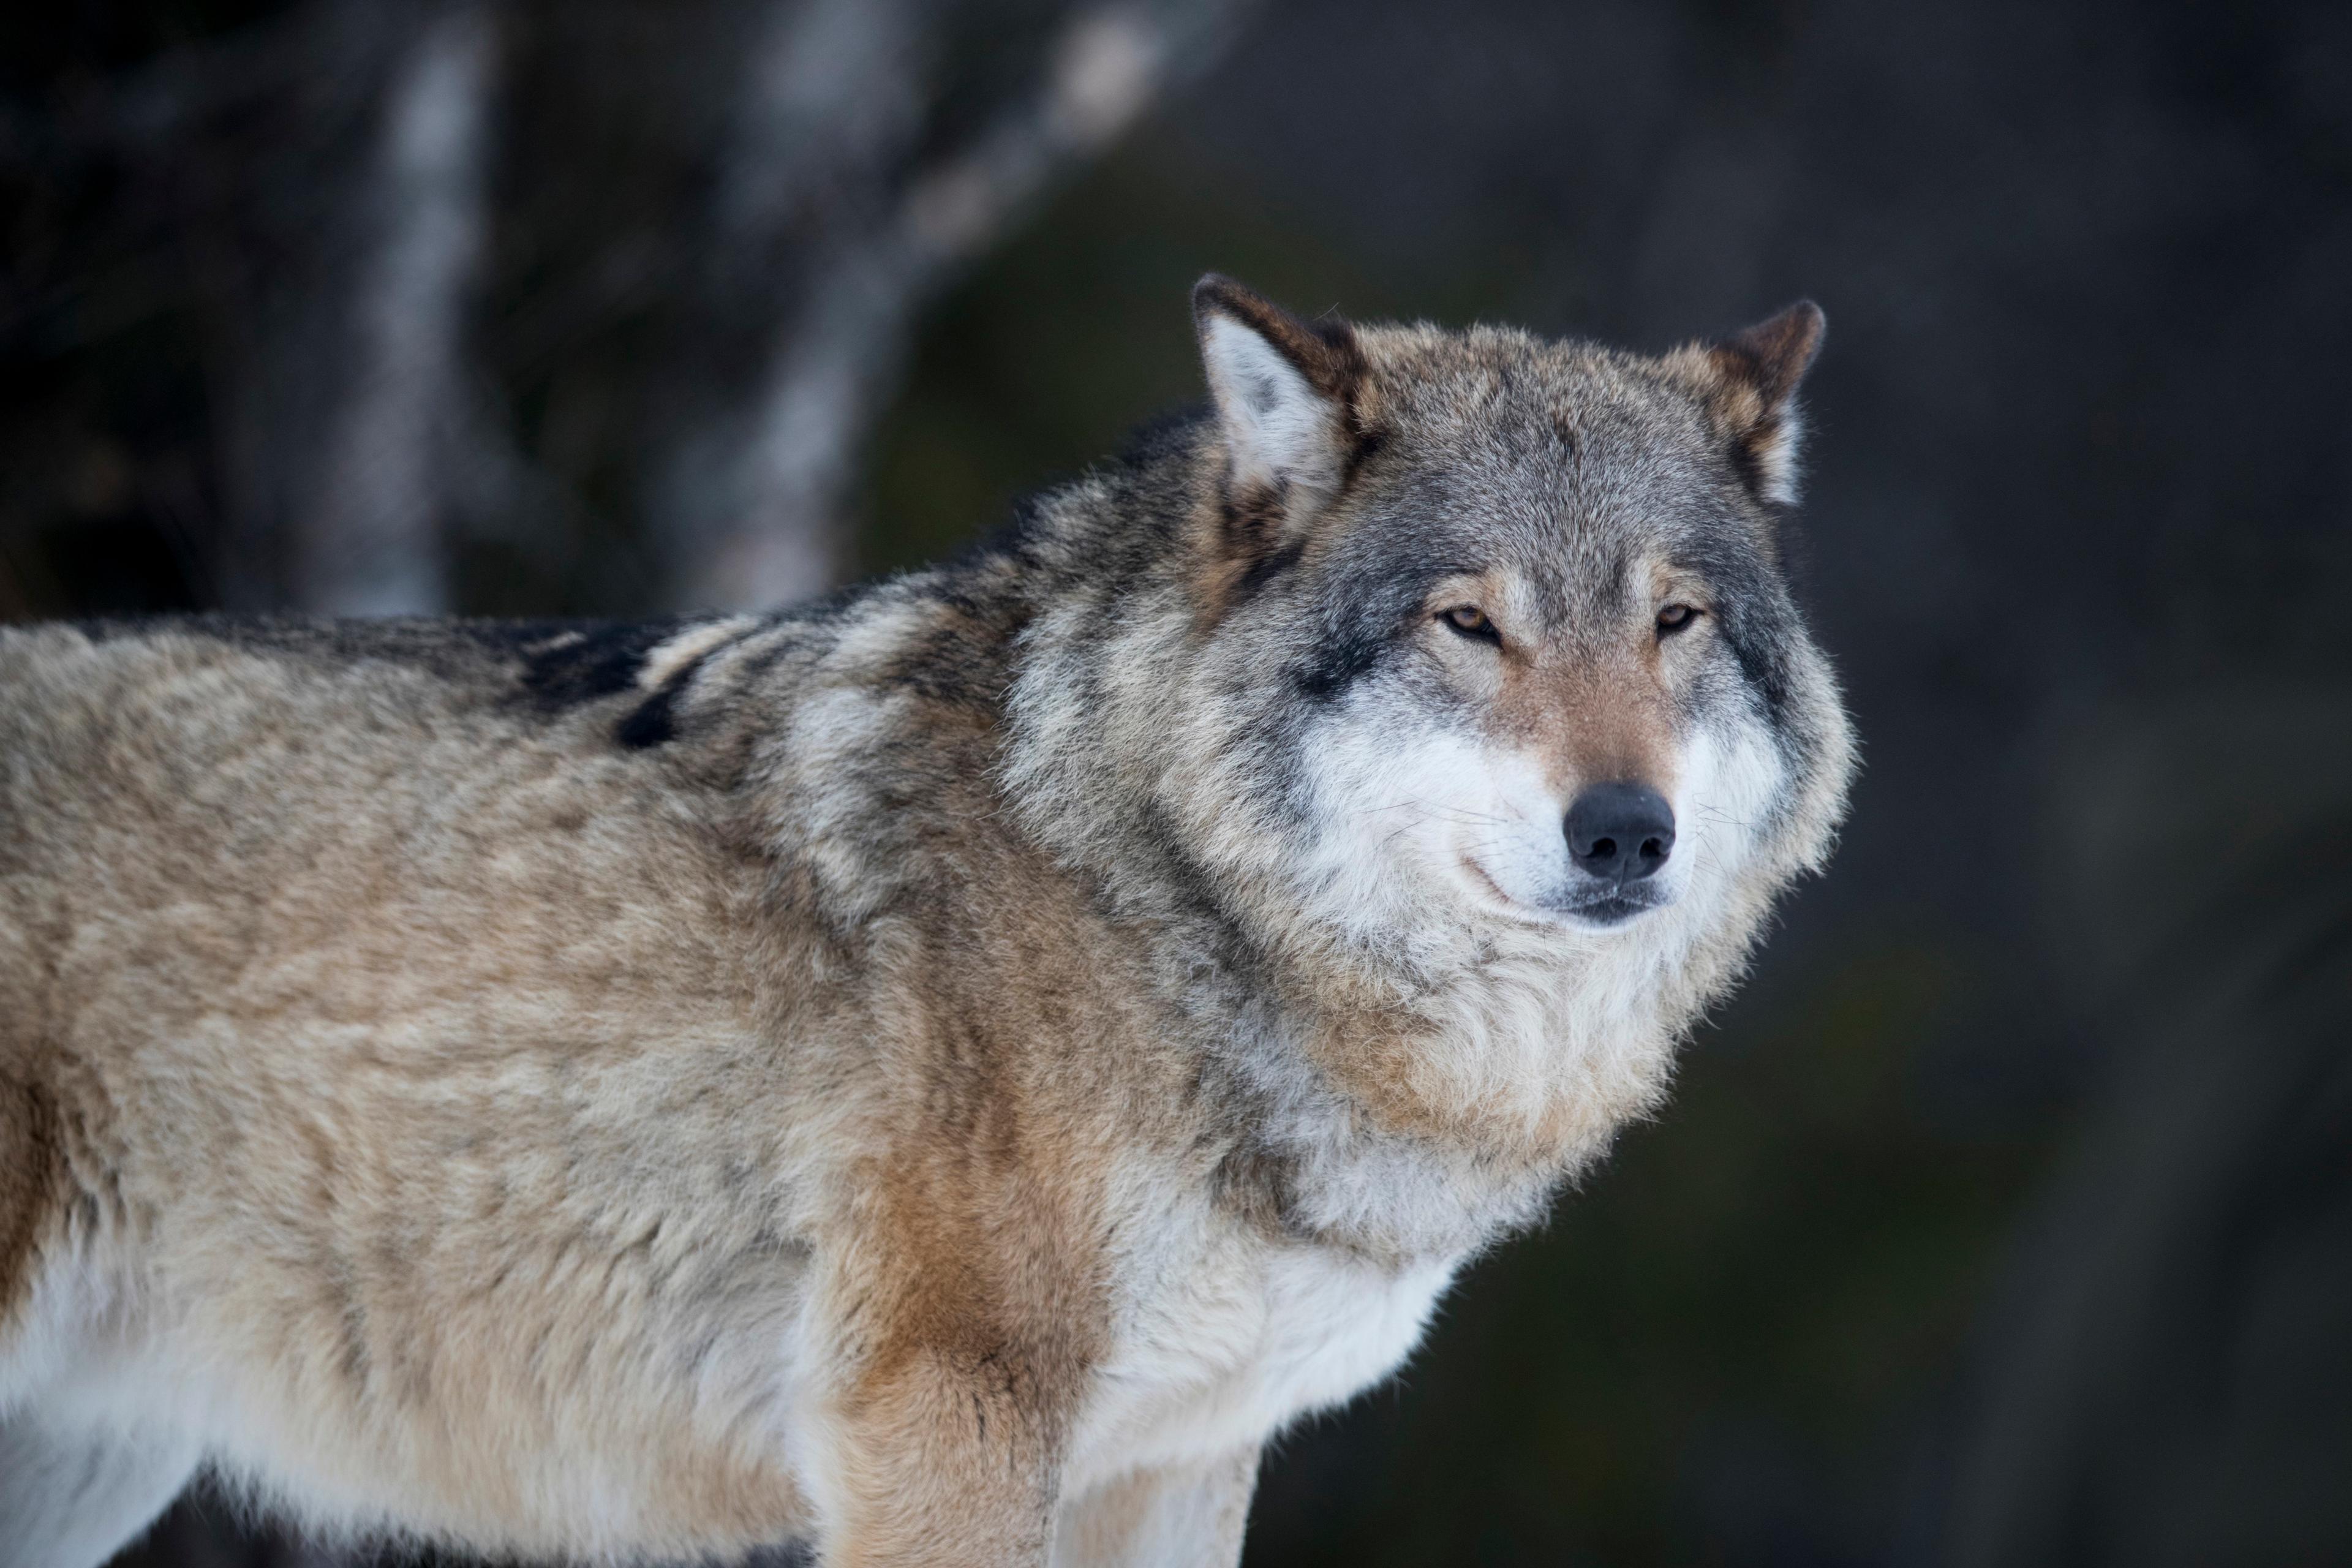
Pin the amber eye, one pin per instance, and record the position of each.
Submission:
(1676, 619)
(1471, 622)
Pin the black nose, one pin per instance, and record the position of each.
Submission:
(1621, 831)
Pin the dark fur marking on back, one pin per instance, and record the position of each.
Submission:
(584, 661)
(559, 664)
(652, 722)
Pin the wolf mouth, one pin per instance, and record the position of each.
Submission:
(1609, 909)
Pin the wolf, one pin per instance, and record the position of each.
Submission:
(942, 1075)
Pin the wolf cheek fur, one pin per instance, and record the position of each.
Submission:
(944, 1074)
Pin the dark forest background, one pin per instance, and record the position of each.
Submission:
(2007, 1216)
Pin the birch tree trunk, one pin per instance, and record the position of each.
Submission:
(370, 539)
(754, 513)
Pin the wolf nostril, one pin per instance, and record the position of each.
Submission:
(1619, 832)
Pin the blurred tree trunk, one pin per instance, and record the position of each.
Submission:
(346, 205)
(831, 181)
(368, 539)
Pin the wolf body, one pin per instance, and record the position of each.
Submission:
(942, 1075)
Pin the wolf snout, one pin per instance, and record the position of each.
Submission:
(1619, 832)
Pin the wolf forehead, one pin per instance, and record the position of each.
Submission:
(1562, 462)
(1558, 440)
(1566, 460)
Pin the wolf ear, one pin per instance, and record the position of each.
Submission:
(1748, 382)
(1285, 392)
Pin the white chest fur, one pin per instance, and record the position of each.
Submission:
(1222, 1347)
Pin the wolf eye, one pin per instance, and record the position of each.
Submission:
(1676, 619)
(1471, 622)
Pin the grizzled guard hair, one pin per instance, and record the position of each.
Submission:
(945, 1074)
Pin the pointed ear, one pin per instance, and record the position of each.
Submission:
(1285, 392)
(1748, 382)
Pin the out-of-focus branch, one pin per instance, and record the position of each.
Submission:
(781, 481)
(369, 539)
(833, 106)
(835, 98)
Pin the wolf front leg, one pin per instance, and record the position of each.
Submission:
(947, 1461)
(1177, 1516)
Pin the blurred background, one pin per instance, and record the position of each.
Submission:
(2006, 1217)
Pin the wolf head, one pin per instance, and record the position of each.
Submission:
(1527, 598)
(1468, 655)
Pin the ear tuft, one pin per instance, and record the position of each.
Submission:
(1774, 354)
(1749, 382)
(1285, 392)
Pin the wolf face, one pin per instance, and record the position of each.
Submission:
(1498, 634)
(1542, 744)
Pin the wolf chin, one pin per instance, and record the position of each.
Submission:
(942, 1075)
